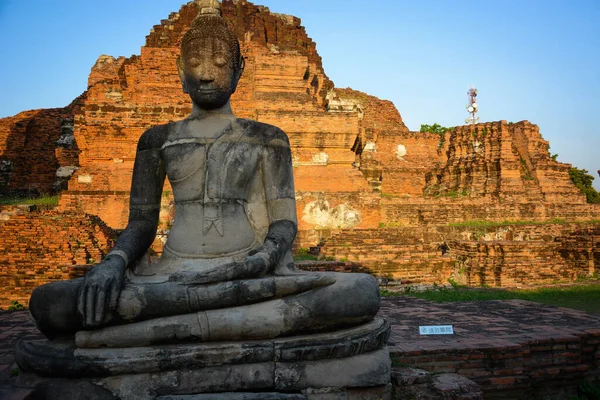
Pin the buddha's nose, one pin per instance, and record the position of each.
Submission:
(204, 72)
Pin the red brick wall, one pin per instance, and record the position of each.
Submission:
(28, 141)
(507, 372)
(44, 246)
(511, 255)
(446, 210)
(502, 160)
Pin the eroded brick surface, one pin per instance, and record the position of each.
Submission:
(44, 246)
(511, 255)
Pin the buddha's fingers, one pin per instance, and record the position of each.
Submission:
(90, 304)
(81, 300)
(100, 307)
(288, 285)
(152, 301)
(242, 292)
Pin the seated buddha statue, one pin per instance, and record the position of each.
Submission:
(226, 271)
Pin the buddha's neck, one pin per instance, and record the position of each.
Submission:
(201, 113)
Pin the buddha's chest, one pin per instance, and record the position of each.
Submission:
(185, 160)
(205, 168)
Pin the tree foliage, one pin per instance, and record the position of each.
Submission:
(435, 128)
(583, 181)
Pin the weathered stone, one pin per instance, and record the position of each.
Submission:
(66, 172)
(363, 370)
(62, 359)
(409, 376)
(453, 386)
(368, 369)
(419, 384)
(66, 139)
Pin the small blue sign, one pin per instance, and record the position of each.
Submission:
(436, 330)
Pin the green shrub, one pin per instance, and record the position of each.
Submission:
(15, 305)
(303, 255)
(583, 181)
(435, 128)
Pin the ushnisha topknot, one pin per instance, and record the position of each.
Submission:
(208, 7)
(210, 23)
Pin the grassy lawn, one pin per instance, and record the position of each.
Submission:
(44, 200)
(487, 224)
(580, 297)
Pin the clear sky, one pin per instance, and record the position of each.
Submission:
(530, 59)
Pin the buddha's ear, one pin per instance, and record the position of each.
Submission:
(238, 74)
(241, 68)
(179, 63)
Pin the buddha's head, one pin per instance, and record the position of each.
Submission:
(210, 64)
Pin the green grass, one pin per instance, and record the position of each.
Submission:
(483, 224)
(44, 200)
(580, 297)
(589, 390)
(305, 257)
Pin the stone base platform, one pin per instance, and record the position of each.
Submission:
(337, 362)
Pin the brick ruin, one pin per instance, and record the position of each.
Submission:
(38, 152)
(364, 182)
(38, 246)
(514, 255)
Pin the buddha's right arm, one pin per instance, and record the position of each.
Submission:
(100, 290)
(144, 204)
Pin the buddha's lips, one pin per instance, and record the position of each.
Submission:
(206, 90)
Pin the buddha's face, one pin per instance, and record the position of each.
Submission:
(207, 72)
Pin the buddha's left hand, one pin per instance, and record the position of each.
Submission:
(259, 263)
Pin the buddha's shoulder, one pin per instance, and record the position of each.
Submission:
(154, 137)
(264, 133)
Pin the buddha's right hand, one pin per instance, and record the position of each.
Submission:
(99, 292)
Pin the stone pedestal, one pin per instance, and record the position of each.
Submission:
(345, 364)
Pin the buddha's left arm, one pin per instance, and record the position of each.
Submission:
(278, 181)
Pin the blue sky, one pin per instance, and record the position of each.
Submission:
(530, 59)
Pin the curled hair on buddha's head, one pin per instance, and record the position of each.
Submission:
(210, 24)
